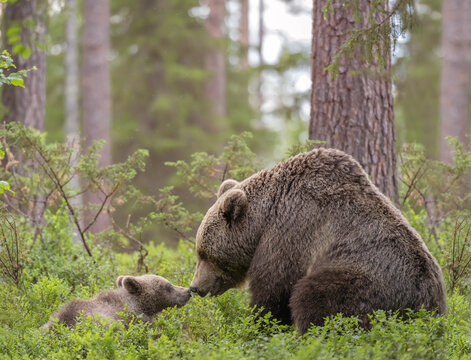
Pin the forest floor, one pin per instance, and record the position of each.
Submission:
(223, 327)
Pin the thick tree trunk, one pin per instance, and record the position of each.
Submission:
(96, 92)
(353, 113)
(456, 68)
(28, 105)
(244, 33)
(215, 61)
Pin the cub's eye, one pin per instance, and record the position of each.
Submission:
(168, 287)
(203, 256)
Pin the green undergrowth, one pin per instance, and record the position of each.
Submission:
(207, 328)
(44, 263)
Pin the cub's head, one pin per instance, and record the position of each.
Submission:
(153, 293)
(221, 243)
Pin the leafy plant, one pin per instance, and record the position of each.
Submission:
(12, 78)
(11, 249)
(43, 176)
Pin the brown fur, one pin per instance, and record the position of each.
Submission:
(315, 237)
(144, 295)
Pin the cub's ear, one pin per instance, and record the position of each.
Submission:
(234, 205)
(132, 285)
(119, 281)
(226, 185)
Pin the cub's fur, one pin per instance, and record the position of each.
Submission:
(144, 295)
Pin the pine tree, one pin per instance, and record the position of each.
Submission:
(353, 111)
(456, 73)
(25, 29)
(215, 59)
(96, 93)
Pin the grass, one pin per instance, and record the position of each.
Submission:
(224, 327)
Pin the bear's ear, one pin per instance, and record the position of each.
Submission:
(132, 285)
(226, 185)
(119, 281)
(234, 205)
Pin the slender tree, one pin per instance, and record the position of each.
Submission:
(215, 60)
(96, 92)
(456, 68)
(244, 33)
(354, 110)
(72, 128)
(25, 30)
(261, 34)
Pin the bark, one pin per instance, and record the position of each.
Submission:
(28, 105)
(353, 113)
(456, 68)
(96, 92)
(72, 128)
(215, 61)
(244, 33)
(261, 34)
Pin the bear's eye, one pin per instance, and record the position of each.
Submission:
(203, 256)
(168, 287)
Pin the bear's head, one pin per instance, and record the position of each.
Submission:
(152, 293)
(223, 243)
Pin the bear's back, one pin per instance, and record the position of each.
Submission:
(324, 209)
(106, 305)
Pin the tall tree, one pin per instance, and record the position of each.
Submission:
(261, 34)
(215, 60)
(353, 112)
(72, 128)
(25, 29)
(456, 68)
(244, 33)
(96, 91)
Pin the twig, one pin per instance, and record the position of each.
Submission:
(143, 252)
(53, 176)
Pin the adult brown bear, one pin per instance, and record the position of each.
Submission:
(315, 238)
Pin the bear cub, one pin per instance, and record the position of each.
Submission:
(144, 295)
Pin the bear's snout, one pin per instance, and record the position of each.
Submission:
(199, 291)
(185, 296)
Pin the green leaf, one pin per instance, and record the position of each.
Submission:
(19, 82)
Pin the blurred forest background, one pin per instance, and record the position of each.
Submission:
(182, 76)
(120, 119)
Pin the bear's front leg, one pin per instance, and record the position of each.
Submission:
(273, 299)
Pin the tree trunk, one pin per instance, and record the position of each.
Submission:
(27, 105)
(353, 113)
(96, 92)
(456, 68)
(244, 33)
(215, 61)
(72, 128)
(261, 34)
